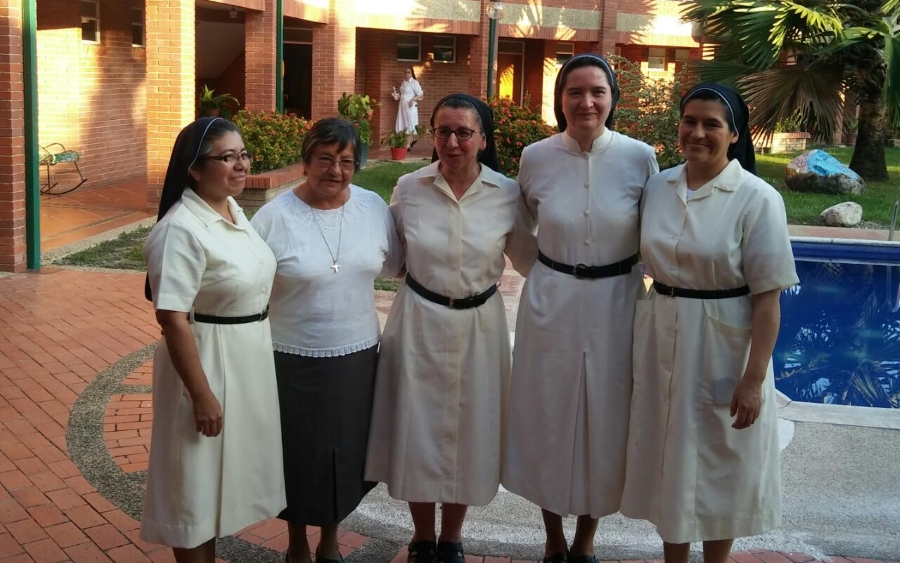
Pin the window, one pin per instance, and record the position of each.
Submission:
(137, 27)
(298, 35)
(90, 21)
(657, 58)
(409, 47)
(682, 56)
(444, 49)
(564, 52)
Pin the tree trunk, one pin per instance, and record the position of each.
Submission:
(868, 157)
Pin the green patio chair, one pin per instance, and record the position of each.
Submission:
(55, 154)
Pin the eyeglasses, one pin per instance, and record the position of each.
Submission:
(326, 162)
(462, 134)
(231, 157)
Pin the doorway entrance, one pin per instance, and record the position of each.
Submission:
(511, 69)
(297, 76)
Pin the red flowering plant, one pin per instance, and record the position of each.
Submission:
(274, 139)
(515, 127)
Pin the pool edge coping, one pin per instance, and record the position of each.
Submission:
(846, 415)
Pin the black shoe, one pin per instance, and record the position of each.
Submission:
(319, 559)
(412, 143)
(421, 552)
(556, 558)
(450, 552)
(582, 559)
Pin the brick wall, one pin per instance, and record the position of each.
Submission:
(170, 84)
(260, 68)
(333, 62)
(91, 97)
(12, 139)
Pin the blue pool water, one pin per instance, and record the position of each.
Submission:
(839, 341)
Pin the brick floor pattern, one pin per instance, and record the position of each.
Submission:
(58, 329)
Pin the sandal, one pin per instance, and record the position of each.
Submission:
(450, 552)
(421, 552)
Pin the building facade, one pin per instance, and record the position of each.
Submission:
(117, 79)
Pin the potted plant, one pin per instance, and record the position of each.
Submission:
(215, 105)
(359, 109)
(396, 140)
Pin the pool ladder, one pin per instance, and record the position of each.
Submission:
(894, 218)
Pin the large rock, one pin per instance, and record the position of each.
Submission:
(847, 214)
(818, 171)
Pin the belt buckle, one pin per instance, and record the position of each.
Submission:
(579, 270)
(671, 292)
(450, 303)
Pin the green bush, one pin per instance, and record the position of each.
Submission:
(274, 139)
(648, 109)
(515, 127)
(359, 109)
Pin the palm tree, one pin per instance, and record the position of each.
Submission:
(790, 56)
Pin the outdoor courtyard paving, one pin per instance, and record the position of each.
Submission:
(75, 416)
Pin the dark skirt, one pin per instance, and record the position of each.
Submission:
(326, 405)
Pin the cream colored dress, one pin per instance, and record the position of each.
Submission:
(443, 373)
(689, 472)
(571, 382)
(199, 487)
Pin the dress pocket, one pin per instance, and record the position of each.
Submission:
(725, 354)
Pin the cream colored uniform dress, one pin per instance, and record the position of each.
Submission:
(571, 382)
(689, 472)
(443, 373)
(199, 487)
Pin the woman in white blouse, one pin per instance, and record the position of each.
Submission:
(331, 239)
(408, 111)
(571, 384)
(703, 455)
(444, 366)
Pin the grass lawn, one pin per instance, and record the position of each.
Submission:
(126, 251)
(804, 208)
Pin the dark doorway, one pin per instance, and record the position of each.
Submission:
(298, 79)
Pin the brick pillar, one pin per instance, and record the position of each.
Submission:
(334, 59)
(171, 63)
(608, 33)
(12, 139)
(478, 56)
(260, 34)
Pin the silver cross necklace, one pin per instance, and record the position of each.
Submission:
(334, 257)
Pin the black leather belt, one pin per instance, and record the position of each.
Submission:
(464, 303)
(591, 272)
(664, 289)
(212, 319)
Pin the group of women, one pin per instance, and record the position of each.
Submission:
(657, 405)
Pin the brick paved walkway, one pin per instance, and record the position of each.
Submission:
(74, 433)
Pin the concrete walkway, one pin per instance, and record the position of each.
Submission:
(75, 414)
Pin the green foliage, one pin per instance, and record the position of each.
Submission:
(359, 109)
(515, 127)
(212, 103)
(648, 109)
(125, 252)
(394, 139)
(792, 124)
(274, 139)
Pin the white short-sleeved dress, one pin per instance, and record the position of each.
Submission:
(199, 487)
(689, 472)
(408, 117)
(571, 382)
(443, 373)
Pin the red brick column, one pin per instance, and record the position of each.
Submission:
(334, 59)
(12, 139)
(608, 33)
(478, 56)
(260, 30)
(171, 63)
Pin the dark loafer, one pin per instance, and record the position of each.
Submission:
(421, 552)
(319, 559)
(412, 143)
(450, 552)
(556, 558)
(582, 558)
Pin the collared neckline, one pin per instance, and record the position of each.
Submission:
(599, 144)
(486, 177)
(728, 180)
(207, 214)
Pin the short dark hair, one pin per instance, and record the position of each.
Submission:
(331, 131)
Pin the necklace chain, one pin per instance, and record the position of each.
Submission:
(334, 257)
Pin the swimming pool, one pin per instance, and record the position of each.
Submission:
(839, 341)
